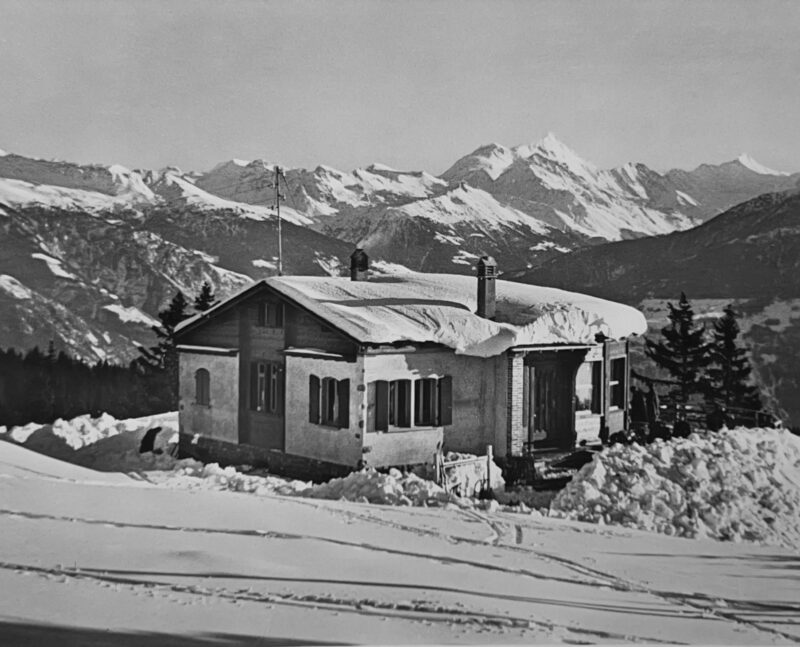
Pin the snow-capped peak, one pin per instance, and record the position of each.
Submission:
(378, 167)
(3, 153)
(745, 160)
(554, 150)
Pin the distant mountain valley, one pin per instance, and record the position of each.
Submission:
(90, 253)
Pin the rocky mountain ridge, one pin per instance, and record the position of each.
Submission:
(90, 253)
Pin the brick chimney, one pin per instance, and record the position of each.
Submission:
(359, 265)
(487, 274)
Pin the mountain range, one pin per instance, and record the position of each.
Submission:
(749, 256)
(90, 253)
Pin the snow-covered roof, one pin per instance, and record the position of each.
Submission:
(440, 308)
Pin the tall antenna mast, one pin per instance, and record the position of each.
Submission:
(278, 173)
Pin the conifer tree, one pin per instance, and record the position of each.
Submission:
(205, 298)
(161, 361)
(727, 379)
(683, 352)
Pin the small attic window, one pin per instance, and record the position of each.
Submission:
(269, 315)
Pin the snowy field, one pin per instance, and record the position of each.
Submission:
(154, 551)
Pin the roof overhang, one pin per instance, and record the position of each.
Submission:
(207, 350)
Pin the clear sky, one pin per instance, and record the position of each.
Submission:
(414, 84)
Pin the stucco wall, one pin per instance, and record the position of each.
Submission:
(478, 402)
(304, 438)
(219, 419)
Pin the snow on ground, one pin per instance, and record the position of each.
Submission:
(111, 445)
(107, 559)
(736, 484)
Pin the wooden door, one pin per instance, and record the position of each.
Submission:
(545, 402)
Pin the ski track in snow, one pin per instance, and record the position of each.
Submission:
(693, 605)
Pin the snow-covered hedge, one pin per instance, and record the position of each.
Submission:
(739, 484)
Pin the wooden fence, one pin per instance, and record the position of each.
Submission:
(441, 466)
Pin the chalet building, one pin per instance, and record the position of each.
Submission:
(303, 373)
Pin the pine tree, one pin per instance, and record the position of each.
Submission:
(160, 362)
(682, 352)
(205, 299)
(727, 379)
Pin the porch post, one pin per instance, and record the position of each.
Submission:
(514, 435)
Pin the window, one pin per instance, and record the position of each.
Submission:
(617, 383)
(426, 400)
(269, 315)
(202, 387)
(587, 388)
(430, 400)
(329, 402)
(266, 387)
(400, 403)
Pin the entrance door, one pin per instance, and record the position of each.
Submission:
(547, 406)
(543, 425)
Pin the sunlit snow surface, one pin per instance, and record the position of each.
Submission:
(166, 558)
(418, 307)
(13, 287)
(745, 160)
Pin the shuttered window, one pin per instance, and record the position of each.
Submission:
(329, 402)
(393, 402)
(266, 387)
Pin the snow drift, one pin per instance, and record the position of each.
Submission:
(733, 485)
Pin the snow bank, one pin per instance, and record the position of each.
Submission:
(110, 445)
(103, 443)
(733, 485)
(369, 486)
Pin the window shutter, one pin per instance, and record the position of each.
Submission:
(313, 399)
(597, 386)
(280, 390)
(381, 405)
(279, 315)
(344, 403)
(404, 403)
(526, 397)
(446, 400)
(418, 409)
(254, 385)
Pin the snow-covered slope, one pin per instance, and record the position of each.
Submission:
(106, 558)
(68, 229)
(746, 160)
(550, 181)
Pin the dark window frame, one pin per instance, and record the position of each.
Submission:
(595, 384)
(617, 370)
(202, 387)
(266, 387)
(406, 404)
(329, 402)
(270, 314)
